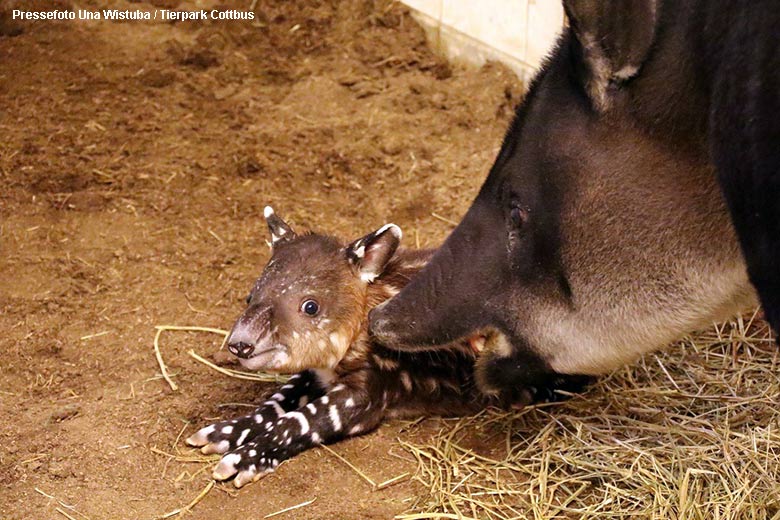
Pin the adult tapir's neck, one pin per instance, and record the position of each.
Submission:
(647, 244)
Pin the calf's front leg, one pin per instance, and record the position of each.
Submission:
(340, 413)
(228, 435)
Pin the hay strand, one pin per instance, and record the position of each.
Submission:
(291, 508)
(160, 362)
(63, 504)
(238, 374)
(444, 219)
(63, 513)
(433, 516)
(392, 481)
(351, 466)
(182, 511)
(192, 328)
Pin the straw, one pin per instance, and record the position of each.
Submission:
(291, 508)
(692, 432)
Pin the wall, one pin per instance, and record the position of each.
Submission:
(516, 32)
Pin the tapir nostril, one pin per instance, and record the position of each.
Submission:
(241, 349)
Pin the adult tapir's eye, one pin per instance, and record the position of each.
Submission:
(248, 299)
(517, 216)
(310, 307)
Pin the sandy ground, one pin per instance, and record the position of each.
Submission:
(135, 162)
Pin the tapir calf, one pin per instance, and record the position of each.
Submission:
(307, 315)
(636, 198)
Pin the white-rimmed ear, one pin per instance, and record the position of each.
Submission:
(280, 230)
(371, 253)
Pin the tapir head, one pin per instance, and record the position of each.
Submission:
(503, 256)
(311, 301)
(575, 166)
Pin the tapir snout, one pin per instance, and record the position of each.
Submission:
(251, 332)
(450, 303)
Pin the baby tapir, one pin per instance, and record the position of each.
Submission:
(307, 314)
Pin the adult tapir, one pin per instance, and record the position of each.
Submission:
(636, 198)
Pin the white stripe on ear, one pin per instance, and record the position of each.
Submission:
(275, 238)
(395, 230)
(372, 252)
(370, 276)
(278, 227)
(277, 232)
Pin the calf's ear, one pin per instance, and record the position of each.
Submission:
(371, 253)
(280, 230)
(615, 38)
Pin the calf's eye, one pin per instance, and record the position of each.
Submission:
(310, 307)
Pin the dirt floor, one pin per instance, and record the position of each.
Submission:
(135, 160)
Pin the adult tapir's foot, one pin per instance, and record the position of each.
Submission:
(556, 388)
(560, 387)
(517, 377)
(551, 388)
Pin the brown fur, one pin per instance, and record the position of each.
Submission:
(336, 342)
(308, 313)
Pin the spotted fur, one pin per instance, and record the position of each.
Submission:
(367, 383)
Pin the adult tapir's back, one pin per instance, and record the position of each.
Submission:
(742, 71)
(601, 231)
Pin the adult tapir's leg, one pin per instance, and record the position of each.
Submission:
(745, 141)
